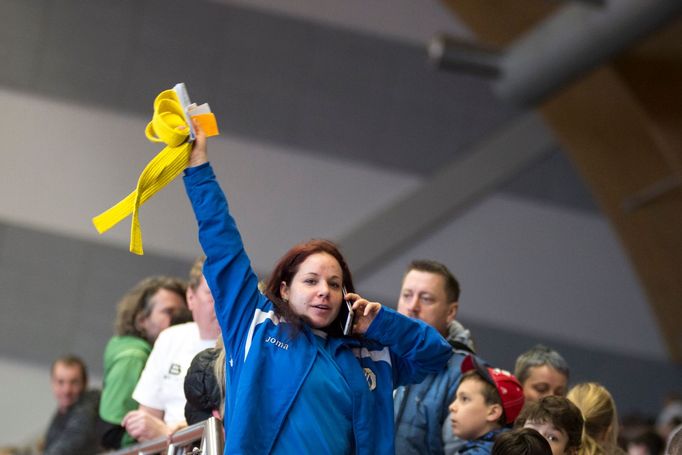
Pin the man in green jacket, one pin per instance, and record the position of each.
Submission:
(151, 306)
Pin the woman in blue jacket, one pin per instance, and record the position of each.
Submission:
(294, 383)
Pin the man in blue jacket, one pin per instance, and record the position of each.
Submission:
(430, 293)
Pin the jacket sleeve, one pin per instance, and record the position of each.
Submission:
(110, 436)
(117, 396)
(79, 433)
(119, 384)
(417, 349)
(451, 443)
(227, 269)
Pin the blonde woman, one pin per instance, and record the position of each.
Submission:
(601, 419)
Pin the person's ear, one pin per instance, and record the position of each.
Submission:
(140, 325)
(494, 413)
(284, 291)
(452, 311)
(190, 297)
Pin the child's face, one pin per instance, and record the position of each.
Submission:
(469, 414)
(557, 438)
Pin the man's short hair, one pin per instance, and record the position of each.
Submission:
(137, 302)
(650, 440)
(196, 272)
(451, 284)
(537, 356)
(559, 412)
(523, 441)
(490, 394)
(675, 444)
(71, 360)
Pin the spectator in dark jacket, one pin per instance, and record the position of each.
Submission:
(522, 441)
(204, 385)
(72, 429)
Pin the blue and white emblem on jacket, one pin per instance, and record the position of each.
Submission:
(371, 378)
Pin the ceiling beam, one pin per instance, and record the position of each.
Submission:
(577, 38)
(620, 126)
(555, 50)
(457, 185)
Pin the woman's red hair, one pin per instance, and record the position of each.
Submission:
(288, 266)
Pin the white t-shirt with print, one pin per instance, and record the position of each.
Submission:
(161, 385)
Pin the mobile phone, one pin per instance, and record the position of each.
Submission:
(346, 316)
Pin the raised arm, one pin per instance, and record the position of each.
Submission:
(227, 268)
(199, 153)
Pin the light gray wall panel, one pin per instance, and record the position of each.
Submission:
(554, 179)
(21, 41)
(59, 294)
(312, 88)
(41, 288)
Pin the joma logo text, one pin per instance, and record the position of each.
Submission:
(277, 343)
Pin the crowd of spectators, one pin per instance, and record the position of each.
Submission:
(303, 364)
(467, 407)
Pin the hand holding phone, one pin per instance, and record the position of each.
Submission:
(346, 319)
(362, 314)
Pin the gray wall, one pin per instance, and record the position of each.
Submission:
(59, 294)
(321, 128)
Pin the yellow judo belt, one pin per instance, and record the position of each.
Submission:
(169, 126)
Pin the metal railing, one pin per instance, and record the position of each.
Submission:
(203, 438)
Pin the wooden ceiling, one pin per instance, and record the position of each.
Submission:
(621, 125)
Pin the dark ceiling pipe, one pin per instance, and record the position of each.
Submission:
(573, 41)
(566, 45)
(453, 54)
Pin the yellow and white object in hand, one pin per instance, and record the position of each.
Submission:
(170, 125)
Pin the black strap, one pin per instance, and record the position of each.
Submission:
(459, 346)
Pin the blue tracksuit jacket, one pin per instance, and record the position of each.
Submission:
(266, 365)
(482, 445)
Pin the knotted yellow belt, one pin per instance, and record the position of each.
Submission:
(168, 125)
